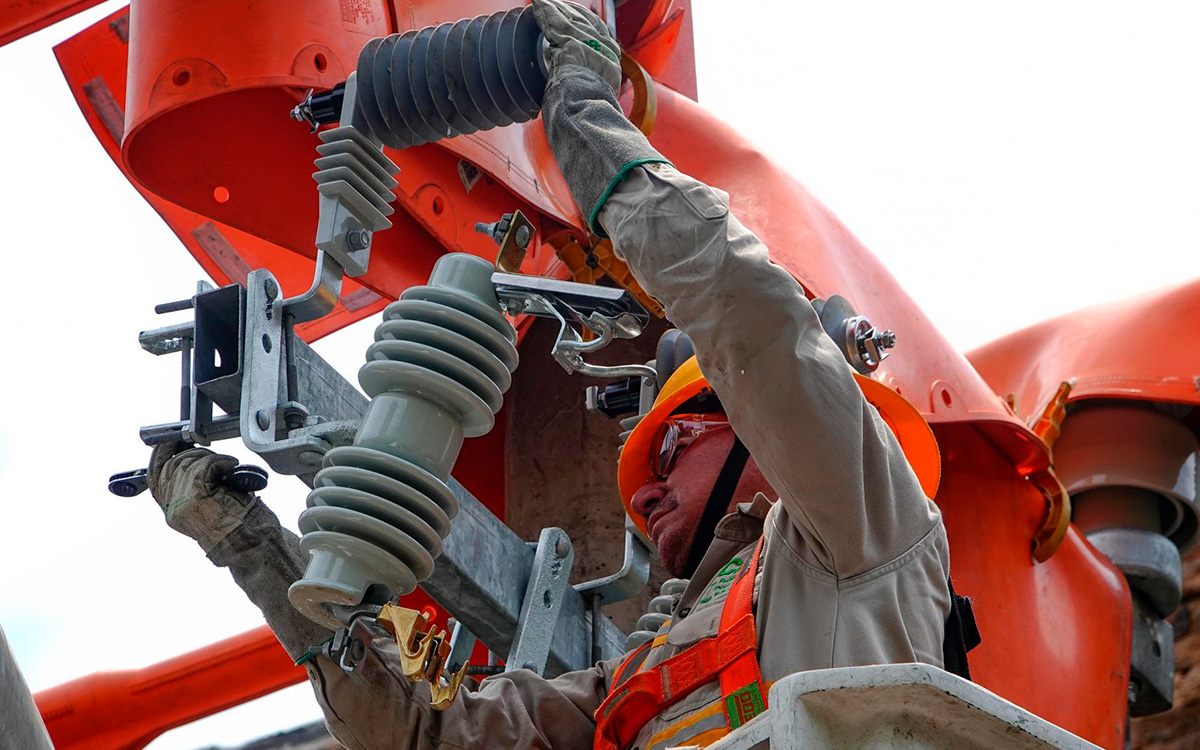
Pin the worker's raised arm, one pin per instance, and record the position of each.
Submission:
(788, 392)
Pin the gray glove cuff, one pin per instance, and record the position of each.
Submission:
(265, 559)
(593, 142)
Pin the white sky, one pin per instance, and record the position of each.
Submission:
(1007, 162)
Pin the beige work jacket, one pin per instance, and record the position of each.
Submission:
(855, 562)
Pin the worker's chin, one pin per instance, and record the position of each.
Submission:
(674, 548)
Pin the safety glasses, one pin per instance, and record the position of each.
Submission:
(676, 433)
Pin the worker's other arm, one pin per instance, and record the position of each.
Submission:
(790, 395)
(385, 712)
(512, 711)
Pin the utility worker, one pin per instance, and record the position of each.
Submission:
(849, 567)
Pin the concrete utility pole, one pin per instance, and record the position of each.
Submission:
(21, 726)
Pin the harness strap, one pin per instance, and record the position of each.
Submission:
(730, 657)
(742, 688)
(632, 662)
(718, 501)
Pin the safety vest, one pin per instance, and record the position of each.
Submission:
(731, 656)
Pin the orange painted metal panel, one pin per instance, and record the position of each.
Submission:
(1056, 634)
(94, 64)
(1138, 348)
(126, 710)
(19, 18)
(207, 112)
(808, 240)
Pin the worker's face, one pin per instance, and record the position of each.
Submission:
(673, 506)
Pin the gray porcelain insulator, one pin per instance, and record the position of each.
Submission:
(442, 359)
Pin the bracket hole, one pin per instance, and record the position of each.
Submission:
(439, 206)
(266, 341)
(320, 62)
(181, 76)
(946, 399)
(547, 601)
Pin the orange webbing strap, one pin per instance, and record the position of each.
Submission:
(742, 688)
(629, 664)
(730, 657)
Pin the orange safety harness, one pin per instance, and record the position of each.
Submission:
(730, 656)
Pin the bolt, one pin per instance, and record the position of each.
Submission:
(530, 666)
(523, 235)
(885, 339)
(358, 239)
(270, 288)
(562, 547)
(263, 419)
(309, 458)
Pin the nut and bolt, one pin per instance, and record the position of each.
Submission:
(562, 547)
(358, 239)
(885, 339)
(263, 419)
(270, 288)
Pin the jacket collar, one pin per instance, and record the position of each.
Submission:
(736, 530)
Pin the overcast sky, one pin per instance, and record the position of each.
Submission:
(1008, 162)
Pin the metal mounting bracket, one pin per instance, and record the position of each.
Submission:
(627, 582)
(543, 602)
(605, 312)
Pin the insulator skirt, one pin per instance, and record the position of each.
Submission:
(442, 359)
(449, 80)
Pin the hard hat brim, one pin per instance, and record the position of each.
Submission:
(906, 423)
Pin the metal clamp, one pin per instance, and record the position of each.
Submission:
(349, 645)
(424, 652)
(240, 353)
(512, 232)
(604, 312)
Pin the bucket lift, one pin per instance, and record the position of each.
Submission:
(190, 100)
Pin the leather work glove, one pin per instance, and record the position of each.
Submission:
(593, 142)
(578, 37)
(186, 484)
(237, 531)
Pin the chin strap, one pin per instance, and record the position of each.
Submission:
(718, 503)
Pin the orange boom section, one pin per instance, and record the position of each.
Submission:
(126, 710)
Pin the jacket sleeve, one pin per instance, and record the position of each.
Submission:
(843, 481)
(385, 712)
(512, 711)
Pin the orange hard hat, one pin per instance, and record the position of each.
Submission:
(910, 428)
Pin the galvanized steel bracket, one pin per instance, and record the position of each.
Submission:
(543, 602)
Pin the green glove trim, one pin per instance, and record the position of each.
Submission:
(612, 185)
(312, 652)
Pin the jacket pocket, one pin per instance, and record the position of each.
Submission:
(705, 201)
